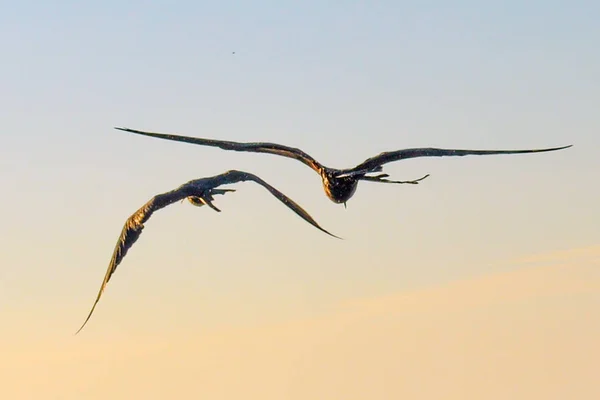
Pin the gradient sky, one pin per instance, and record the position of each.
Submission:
(342, 81)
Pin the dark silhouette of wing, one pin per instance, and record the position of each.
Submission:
(255, 147)
(236, 176)
(131, 232)
(398, 155)
(201, 188)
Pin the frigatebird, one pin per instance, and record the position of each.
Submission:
(198, 192)
(339, 184)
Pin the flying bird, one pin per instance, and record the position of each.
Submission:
(339, 184)
(198, 192)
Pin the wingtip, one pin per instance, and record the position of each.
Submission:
(329, 233)
(91, 311)
(82, 325)
(80, 328)
(562, 147)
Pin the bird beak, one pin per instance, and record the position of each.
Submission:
(344, 204)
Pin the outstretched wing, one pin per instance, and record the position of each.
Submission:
(256, 147)
(236, 176)
(130, 234)
(398, 155)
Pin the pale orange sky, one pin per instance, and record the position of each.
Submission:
(528, 333)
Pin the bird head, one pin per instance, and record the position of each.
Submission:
(338, 188)
(207, 197)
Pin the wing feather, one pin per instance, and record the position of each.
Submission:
(404, 154)
(255, 147)
(130, 233)
(235, 176)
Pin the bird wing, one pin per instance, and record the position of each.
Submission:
(256, 147)
(398, 155)
(131, 232)
(236, 176)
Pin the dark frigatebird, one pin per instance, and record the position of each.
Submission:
(339, 184)
(199, 192)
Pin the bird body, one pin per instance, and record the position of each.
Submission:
(338, 189)
(198, 192)
(339, 184)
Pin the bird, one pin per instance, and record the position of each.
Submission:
(339, 184)
(198, 192)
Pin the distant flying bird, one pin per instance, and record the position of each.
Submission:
(339, 184)
(199, 192)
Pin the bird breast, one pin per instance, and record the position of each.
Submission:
(339, 190)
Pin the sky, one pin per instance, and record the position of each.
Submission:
(255, 288)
